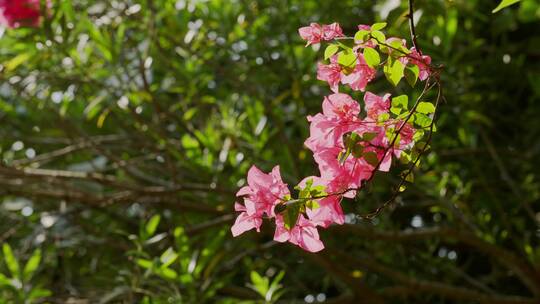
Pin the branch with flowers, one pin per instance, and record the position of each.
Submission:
(349, 145)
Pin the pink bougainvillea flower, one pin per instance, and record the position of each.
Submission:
(265, 190)
(364, 27)
(329, 209)
(304, 234)
(381, 143)
(376, 105)
(332, 31)
(330, 73)
(422, 61)
(244, 221)
(340, 106)
(405, 139)
(346, 147)
(261, 195)
(17, 13)
(312, 33)
(360, 76)
(341, 177)
(340, 115)
(329, 212)
(315, 32)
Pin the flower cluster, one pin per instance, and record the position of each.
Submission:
(314, 33)
(349, 142)
(17, 13)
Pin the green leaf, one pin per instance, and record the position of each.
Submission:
(411, 74)
(32, 265)
(146, 264)
(372, 57)
(275, 282)
(290, 216)
(408, 177)
(188, 115)
(330, 51)
(361, 35)
(357, 151)
(260, 284)
(383, 117)
(347, 59)
(312, 204)
(4, 281)
(346, 45)
(371, 158)
(11, 261)
(425, 107)
(16, 61)
(418, 135)
(167, 273)
(152, 224)
(351, 139)
(369, 136)
(379, 36)
(422, 120)
(393, 70)
(102, 117)
(38, 293)
(378, 26)
(404, 157)
(503, 4)
(168, 257)
(399, 103)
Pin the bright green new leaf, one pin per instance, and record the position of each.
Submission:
(503, 4)
(411, 74)
(418, 135)
(32, 265)
(379, 36)
(383, 117)
(347, 59)
(404, 157)
(372, 57)
(399, 103)
(394, 71)
(425, 107)
(146, 264)
(4, 281)
(378, 26)
(167, 273)
(409, 177)
(361, 35)
(275, 284)
(330, 51)
(152, 224)
(168, 257)
(260, 284)
(11, 261)
(16, 61)
(38, 293)
(422, 120)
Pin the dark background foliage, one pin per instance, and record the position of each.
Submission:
(128, 126)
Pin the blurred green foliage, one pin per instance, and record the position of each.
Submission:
(127, 127)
